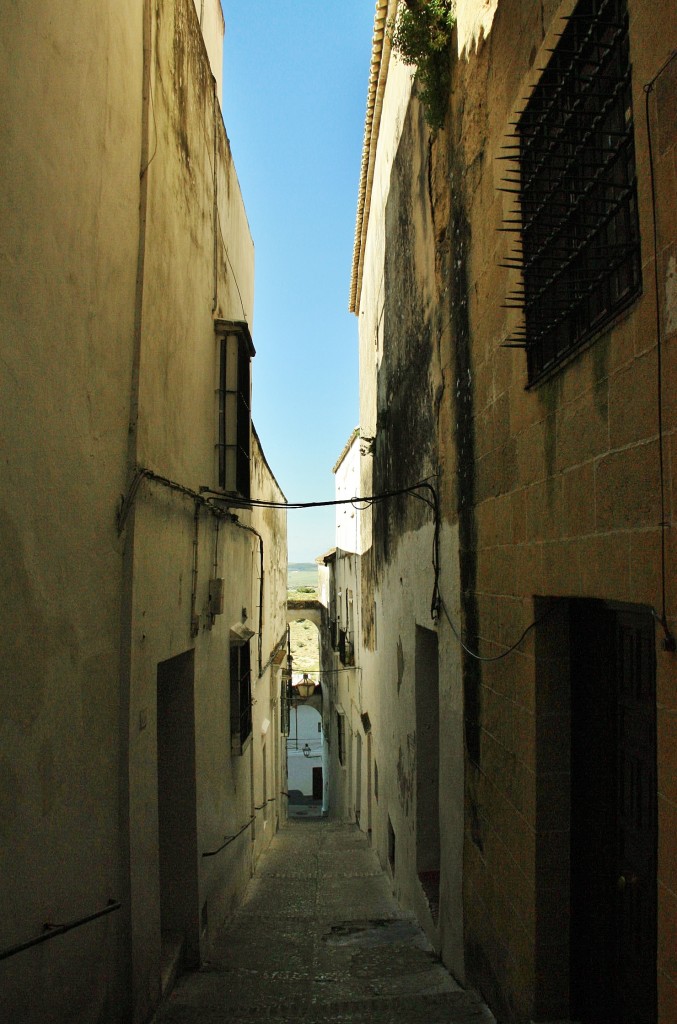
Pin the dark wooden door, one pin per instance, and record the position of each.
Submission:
(317, 784)
(613, 815)
(637, 818)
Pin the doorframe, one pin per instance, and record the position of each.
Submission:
(358, 776)
(178, 871)
(369, 783)
(553, 987)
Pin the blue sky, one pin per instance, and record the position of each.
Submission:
(295, 84)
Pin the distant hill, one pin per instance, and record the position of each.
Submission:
(302, 574)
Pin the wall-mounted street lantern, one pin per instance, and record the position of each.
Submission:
(306, 688)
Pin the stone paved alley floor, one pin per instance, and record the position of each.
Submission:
(319, 938)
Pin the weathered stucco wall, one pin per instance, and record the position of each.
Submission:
(403, 325)
(71, 114)
(269, 786)
(347, 474)
(213, 27)
(198, 266)
(124, 237)
(342, 680)
(195, 217)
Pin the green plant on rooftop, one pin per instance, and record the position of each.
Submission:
(421, 35)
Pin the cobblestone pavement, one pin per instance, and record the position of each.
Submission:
(319, 938)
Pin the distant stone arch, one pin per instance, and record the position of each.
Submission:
(312, 610)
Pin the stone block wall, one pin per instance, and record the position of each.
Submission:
(567, 504)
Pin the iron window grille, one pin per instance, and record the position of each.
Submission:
(342, 646)
(285, 704)
(576, 190)
(233, 447)
(240, 696)
(341, 737)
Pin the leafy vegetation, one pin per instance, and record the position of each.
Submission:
(302, 594)
(302, 585)
(421, 35)
(304, 646)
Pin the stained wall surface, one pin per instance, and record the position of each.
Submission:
(556, 500)
(199, 266)
(404, 425)
(341, 646)
(565, 480)
(71, 113)
(125, 238)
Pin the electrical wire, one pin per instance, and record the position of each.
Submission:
(368, 500)
(358, 502)
(670, 643)
(142, 473)
(206, 496)
(491, 657)
(328, 672)
(152, 107)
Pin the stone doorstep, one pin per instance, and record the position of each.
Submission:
(171, 961)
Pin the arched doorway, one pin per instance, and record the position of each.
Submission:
(305, 762)
(307, 782)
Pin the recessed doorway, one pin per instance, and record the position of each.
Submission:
(177, 810)
(613, 815)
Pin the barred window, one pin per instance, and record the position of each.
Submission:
(240, 697)
(233, 446)
(341, 736)
(576, 189)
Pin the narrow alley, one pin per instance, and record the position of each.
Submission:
(338, 517)
(320, 938)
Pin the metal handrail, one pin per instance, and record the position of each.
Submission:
(50, 931)
(227, 840)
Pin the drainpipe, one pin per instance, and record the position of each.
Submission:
(127, 582)
(250, 529)
(194, 617)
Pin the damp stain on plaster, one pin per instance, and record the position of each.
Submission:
(467, 455)
(400, 664)
(405, 435)
(406, 773)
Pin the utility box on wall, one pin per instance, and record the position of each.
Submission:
(216, 596)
